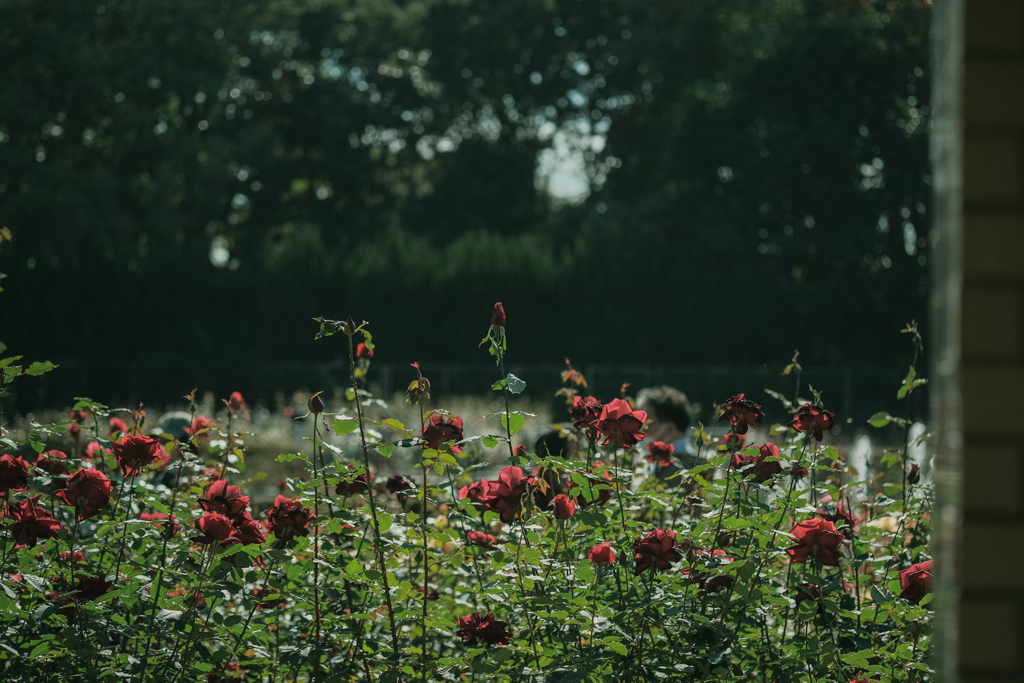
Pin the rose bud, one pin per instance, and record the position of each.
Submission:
(914, 475)
(315, 404)
(564, 507)
(499, 315)
(602, 553)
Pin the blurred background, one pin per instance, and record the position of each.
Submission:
(677, 192)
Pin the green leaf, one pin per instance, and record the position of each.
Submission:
(392, 423)
(490, 441)
(37, 369)
(384, 522)
(499, 385)
(344, 425)
(908, 383)
(859, 659)
(387, 449)
(515, 385)
(513, 423)
(615, 645)
(880, 419)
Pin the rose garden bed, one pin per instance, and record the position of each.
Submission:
(145, 560)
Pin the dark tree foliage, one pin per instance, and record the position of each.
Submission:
(200, 179)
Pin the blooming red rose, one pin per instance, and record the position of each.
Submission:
(77, 556)
(215, 528)
(602, 553)
(622, 424)
(88, 491)
(117, 426)
(135, 452)
(564, 507)
(31, 522)
(363, 351)
(765, 469)
(289, 518)
(657, 549)
(441, 430)
(498, 317)
(14, 473)
(503, 495)
(358, 485)
(813, 418)
(225, 499)
(479, 538)
(916, 581)
(201, 424)
(816, 538)
(248, 531)
(479, 493)
(585, 412)
(483, 627)
(661, 452)
(741, 413)
(53, 463)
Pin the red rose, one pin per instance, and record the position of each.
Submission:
(813, 418)
(289, 518)
(362, 351)
(202, 425)
(315, 404)
(564, 507)
(117, 426)
(135, 452)
(585, 412)
(90, 588)
(503, 495)
(248, 531)
(479, 538)
(88, 491)
(479, 493)
(816, 538)
(483, 627)
(14, 473)
(225, 499)
(602, 553)
(94, 451)
(843, 520)
(52, 462)
(764, 468)
(31, 522)
(661, 452)
(236, 402)
(796, 470)
(75, 431)
(656, 549)
(358, 485)
(916, 581)
(162, 519)
(622, 424)
(441, 430)
(215, 528)
(77, 556)
(498, 318)
(79, 416)
(914, 474)
(741, 413)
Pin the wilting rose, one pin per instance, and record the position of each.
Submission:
(215, 528)
(225, 499)
(135, 452)
(621, 424)
(289, 518)
(813, 418)
(201, 426)
(88, 491)
(498, 317)
(14, 473)
(741, 413)
(816, 538)
(660, 452)
(358, 485)
(441, 430)
(479, 538)
(657, 549)
(31, 522)
(483, 627)
(585, 412)
(564, 507)
(916, 581)
(602, 553)
(117, 426)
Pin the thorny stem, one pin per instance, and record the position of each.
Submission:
(426, 564)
